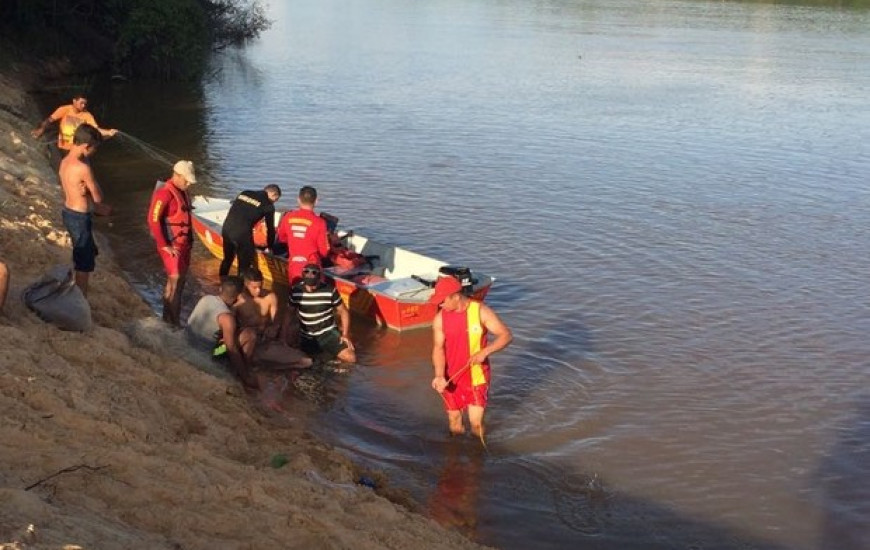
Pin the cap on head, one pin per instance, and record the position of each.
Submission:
(184, 168)
(444, 287)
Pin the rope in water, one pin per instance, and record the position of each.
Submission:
(156, 154)
(159, 155)
(151, 151)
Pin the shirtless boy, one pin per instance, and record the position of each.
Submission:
(82, 198)
(259, 325)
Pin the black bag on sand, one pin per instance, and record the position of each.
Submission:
(57, 300)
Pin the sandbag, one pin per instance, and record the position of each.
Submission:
(57, 300)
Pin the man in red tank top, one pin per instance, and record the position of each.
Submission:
(169, 220)
(305, 234)
(460, 353)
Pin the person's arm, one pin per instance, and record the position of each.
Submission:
(439, 359)
(343, 315)
(290, 326)
(4, 283)
(494, 325)
(227, 323)
(90, 187)
(280, 232)
(237, 306)
(156, 212)
(323, 239)
(273, 328)
(343, 321)
(270, 227)
(53, 117)
(105, 132)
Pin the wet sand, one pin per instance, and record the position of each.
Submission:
(110, 441)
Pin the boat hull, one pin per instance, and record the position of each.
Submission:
(372, 301)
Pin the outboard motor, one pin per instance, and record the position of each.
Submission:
(461, 274)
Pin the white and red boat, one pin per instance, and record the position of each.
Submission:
(393, 288)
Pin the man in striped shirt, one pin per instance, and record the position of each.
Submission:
(317, 305)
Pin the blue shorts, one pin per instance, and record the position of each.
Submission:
(80, 228)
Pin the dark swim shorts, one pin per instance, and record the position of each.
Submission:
(79, 226)
(325, 346)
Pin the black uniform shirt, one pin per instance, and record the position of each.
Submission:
(249, 208)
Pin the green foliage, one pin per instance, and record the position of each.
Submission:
(167, 39)
(279, 460)
(233, 23)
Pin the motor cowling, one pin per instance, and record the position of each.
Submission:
(461, 274)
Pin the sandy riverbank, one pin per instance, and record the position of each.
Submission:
(147, 451)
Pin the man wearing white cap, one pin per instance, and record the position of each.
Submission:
(169, 220)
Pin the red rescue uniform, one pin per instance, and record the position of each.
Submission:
(169, 220)
(464, 335)
(307, 240)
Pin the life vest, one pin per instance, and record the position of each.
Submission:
(68, 124)
(66, 131)
(345, 259)
(475, 341)
(176, 226)
(261, 234)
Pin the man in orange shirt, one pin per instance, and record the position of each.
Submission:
(69, 118)
(305, 234)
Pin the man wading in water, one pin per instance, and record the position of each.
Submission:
(460, 353)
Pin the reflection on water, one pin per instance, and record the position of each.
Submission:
(844, 478)
(454, 502)
(673, 198)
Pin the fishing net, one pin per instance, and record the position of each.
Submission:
(153, 152)
(156, 154)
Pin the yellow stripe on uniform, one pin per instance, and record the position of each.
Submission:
(475, 329)
(155, 213)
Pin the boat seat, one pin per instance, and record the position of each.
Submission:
(348, 273)
(367, 280)
(404, 288)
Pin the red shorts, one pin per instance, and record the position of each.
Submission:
(462, 395)
(175, 265)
